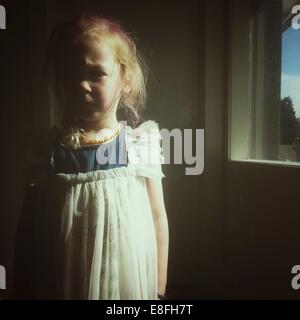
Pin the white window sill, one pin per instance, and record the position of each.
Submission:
(268, 162)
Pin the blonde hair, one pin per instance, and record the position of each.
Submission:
(90, 26)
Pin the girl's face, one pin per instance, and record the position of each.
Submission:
(92, 82)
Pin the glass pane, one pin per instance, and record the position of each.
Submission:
(290, 96)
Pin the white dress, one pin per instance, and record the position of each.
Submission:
(107, 242)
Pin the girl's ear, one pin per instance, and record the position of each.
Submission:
(126, 87)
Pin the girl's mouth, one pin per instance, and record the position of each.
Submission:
(88, 99)
(87, 103)
(88, 107)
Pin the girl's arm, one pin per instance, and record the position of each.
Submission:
(155, 192)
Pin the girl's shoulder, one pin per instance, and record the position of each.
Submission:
(146, 126)
(146, 132)
(144, 144)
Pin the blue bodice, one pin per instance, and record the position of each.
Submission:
(85, 159)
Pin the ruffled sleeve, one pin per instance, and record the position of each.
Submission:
(144, 150)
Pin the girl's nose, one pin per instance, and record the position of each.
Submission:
(85, 86)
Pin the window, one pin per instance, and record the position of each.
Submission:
(264, 82)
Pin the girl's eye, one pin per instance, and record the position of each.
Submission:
(97, 74)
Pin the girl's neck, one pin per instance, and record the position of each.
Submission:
(95, 126)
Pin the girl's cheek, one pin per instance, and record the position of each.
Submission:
(99, 92)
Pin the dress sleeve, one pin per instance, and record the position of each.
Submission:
(144, 150)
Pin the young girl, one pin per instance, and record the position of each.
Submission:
(101, 227)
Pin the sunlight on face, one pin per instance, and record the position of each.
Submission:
(93, 82)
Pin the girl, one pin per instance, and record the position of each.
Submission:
(101, 227)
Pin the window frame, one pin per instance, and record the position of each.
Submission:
(249, 139)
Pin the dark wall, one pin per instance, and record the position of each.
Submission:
(262, 227)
